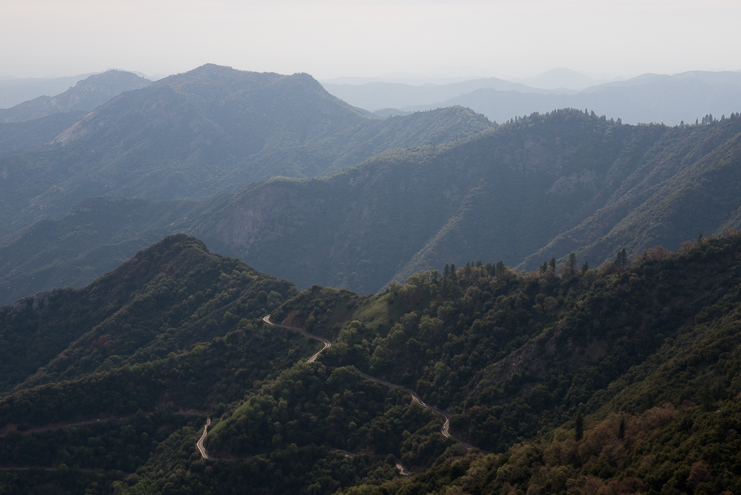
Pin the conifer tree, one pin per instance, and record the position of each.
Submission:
(621, 260)
(579, 432)
(467, 270)
(571, 264)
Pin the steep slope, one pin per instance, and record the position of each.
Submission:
(688, 185)
(17, 90)
(83, 96)
(499, 196)
(95, 237)
(509, 355)
(148, 307)
(19, 136)
(539, 368)
(208, 131)
(668, 425)
(172, 329)
(538, 188)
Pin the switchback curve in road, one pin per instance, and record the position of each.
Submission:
(444, 431)
(327, 343)
(199, 443)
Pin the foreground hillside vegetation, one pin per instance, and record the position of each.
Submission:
(622, 378)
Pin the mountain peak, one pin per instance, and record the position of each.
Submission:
(86, 95)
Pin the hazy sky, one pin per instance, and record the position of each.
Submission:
(369, 38)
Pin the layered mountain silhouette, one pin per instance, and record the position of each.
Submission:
(544, 337)
(523, 193)
(379, 95)
(644, 99)
(539, 188)
(208, 131)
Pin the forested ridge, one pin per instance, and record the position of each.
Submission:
(537, 187)
(622, 377)
(202, 133)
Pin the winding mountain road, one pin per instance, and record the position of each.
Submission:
(327, 343)
(444, 431)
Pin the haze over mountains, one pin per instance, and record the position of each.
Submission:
(15, 90)
(521, 327)
(562, 78)
(205, 132)
(541, 187)
(522, 193)
(83, 96)
(643, 99)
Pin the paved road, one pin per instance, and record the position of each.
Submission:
(402, 470)
(199, 443)
(327, 343)
(444, 431)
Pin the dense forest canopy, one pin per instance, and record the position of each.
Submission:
(622, 377)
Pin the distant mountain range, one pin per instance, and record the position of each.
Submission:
(643, 99)
(378, 95)
(560, 78)
(83, 96)
(523, 193)
(204, 132)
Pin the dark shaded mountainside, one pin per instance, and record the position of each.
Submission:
(84, 96)
(523, 193)
(16, 137)
(623, 379)
(204, 132)
(96, 236)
